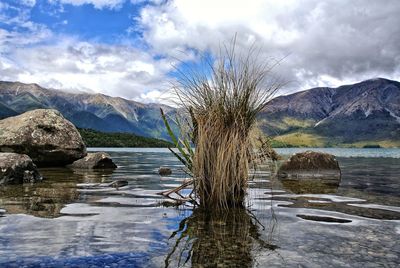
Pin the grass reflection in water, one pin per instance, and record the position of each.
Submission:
(217, 239)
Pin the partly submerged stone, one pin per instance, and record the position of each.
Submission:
(311, 166)
(323, 218)
(43, 134)
(99, 160)
(17, 168)
(163, 171)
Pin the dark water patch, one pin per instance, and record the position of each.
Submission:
(322, 218)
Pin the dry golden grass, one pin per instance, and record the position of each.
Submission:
(221, 163)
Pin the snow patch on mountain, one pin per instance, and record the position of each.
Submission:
(392, 114)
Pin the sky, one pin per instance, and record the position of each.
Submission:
(129, 48)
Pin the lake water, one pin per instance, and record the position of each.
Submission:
(69, 220)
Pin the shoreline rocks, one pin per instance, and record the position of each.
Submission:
(98, 160)
(17, 168)
(44, 135)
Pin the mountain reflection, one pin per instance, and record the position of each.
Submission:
(216, 239)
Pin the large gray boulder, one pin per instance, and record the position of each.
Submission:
(97, 160)
(17, 168)
(309, 165)
(43, 134)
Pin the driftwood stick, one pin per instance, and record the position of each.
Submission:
(177, 189)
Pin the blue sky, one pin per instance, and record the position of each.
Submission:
(85, 21)
(128, 47)
(89, 23)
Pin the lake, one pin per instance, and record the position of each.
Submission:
(69, 220)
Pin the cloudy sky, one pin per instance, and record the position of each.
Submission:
(128, 47)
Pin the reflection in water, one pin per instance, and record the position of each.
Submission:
(309, 186)
(47, 198)
(217, 239)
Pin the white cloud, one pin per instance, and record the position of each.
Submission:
(326, 42)
(74, 65)
(166, 96)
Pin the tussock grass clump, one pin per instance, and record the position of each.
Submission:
(223, 99)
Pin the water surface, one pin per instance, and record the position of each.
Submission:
(69, 220)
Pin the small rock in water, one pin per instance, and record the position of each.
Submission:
(99, 160)
(164, 171)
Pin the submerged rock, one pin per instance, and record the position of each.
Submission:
(313, 166)
(43, 134)
(99, 160)
(163, 171)
(17, 168)
(323, 218)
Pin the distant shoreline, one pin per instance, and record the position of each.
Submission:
(338, 152)
(93, 138)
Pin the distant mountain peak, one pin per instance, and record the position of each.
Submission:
(366, 110)
(97, 111)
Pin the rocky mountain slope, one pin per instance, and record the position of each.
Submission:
(366, 112)
(352, 115)
(94, 111)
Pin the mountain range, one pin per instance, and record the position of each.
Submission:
(365, 113)
(93, 111)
